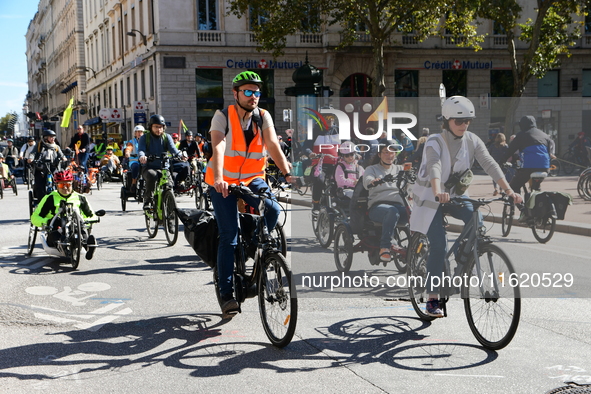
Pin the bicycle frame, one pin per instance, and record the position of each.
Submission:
(164, 183)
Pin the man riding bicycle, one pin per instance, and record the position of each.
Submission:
(240, 137)
(535, 148)
(50, 204)
(154, 143)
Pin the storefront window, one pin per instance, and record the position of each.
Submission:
(501, 83)
(406, 83)
(209, 89)
(548, 86)
(455, 82)
(356, 85)
(586, 83)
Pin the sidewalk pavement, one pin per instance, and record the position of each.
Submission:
(577, 219)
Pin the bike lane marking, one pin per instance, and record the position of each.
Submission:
(79, 298)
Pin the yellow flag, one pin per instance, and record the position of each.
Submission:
(383, 107)
(68, 113)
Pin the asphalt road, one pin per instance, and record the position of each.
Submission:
(143, 317)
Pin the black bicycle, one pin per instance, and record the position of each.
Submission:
(481, 274)
(542, 227)
(263, 272)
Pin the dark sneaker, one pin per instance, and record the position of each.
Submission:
(432, 308)
(147, 205)
(91, 246)
(230, 308)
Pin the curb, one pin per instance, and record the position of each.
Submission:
(561, 225)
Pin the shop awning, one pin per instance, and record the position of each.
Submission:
(92, 121)
(70, 87)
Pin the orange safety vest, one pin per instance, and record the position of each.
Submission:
(241, 163)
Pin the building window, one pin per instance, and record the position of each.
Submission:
(115, 94)
(311, 23)
(455, 82)
(121, 92)
(151, 81)
(128, 90)
(548, 86)
(143, 83)
(356, 85)
(587, 24)
(501, 83)
(406, 83)
(257, 18)
(207, 14)
(135, 87)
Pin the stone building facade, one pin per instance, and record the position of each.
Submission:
(184, 54)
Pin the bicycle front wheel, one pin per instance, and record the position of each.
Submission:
(507, 219)
(75, 240)
(543, 229)
(416, 274)
(170, 218)
(343, 248)
(568, 164)
(278, 305)
(402, 238)
(151, 223)
(32, 238)
(491, 303)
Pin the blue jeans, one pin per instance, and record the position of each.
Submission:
(82, 159)
(226, 213)
(438, 239)
(135, 169)
(388, 215)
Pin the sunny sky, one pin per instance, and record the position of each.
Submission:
(14, 21)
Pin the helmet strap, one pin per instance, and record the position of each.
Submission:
(240, 105)
(456, 137)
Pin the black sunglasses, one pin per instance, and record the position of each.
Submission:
(461, 121)
(248, 92)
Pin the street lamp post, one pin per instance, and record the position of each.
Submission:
(144, 39)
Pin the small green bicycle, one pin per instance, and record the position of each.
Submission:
(163, 207)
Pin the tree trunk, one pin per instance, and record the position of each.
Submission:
(378, 82)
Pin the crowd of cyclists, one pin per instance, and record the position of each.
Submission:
(243, 136)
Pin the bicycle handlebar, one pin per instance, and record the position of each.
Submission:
(477, 202)
(240, 189)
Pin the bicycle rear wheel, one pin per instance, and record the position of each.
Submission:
(278, 306)
(14, 187)
(416, 274)
(507, 219)
(584, 185)
(170, 218)
(32, 238)
(543, 229)
(123, 198)
(492, 305)
(325, 228)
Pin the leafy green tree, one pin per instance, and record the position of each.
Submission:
(549, 37)
(379, 19)
(4, 124)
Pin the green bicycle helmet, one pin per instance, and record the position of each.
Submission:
(245, 78)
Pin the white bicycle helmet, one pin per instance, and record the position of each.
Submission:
(458, 107)
(139, 128)
(347, 147)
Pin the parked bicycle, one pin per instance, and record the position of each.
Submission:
(479, 271)
(162, 211)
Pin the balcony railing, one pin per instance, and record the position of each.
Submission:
(211, 37)
(499, 41)
(451, 41)
(410, 40)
